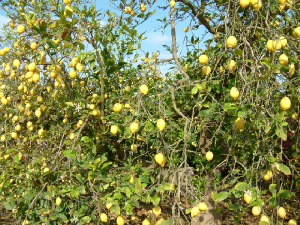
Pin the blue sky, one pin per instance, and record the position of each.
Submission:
(155, 39)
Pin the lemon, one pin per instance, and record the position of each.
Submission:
(35, 77)
(14, 135)
(134, 127)
(79, 67)
(264, 218)
(31, 67)
(231, 42)
(247, 197)
(256, 210)
(281, 1)
(206, 70)
(67, 2)
(72, 136)
(3, 138)
(292, 222)
(127, 10)
(232, 66)
(234, 93)
(283, 41)
(285, 103)
(120, 220)
(147, 221)
(257, 6)
(33, 46)
(161, 124)
(156, 210)
(58, 201)
(283, 59)
(38, 113)
(12, 24)
(281, 212)
(143, 7)
(203, 59)
(72, 73)
(133, 147)
(103, 217)
(209, 156)
(131, 180)
(277, 45)
(253, 2)
(144, 89)
(296, 32)
(202, 206)
(109, 205)
(172, 3)
(114, 129)
(117, 107)
(159, 158)
(16, 63)
(195, 211)
(240, 123)
(268, 175)
(244, 3)
(291, 70)
(20, 29)
(270, 46)
(257, 34)
(186, 29)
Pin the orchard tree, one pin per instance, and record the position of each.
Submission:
(94, 133)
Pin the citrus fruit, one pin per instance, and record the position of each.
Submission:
(256, 210)
(206, 70)
(202, 206)
(285, 103)
(209, 156)
(281, 212)
(203, 59)
(114, 129)
(58, 201)
(161, 124)
(20, 29)
(195, 211)
(231, 42)
(244, 3)
(120, 220)
(156, 210)
(283, 59)
(144, 89)
(247, 197)
(292, 222)
(134, 127)
(172, 3)
(234, 93)
(268, 175)
(240, 123)
(103, 217)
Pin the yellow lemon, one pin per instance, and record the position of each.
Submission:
(281, 212)
(72, 74)
(256, 210)
(131, 180)
(206, 70)
(120, 220)
(209, 156)
(283, 41)
(143, 7)
(159, 158)
(161, 124)
(58, 201)
(270, 46)
(195, 211)
(14, 135)
(127, 10)
(268, 175)
(232, 66)
(103, 217)
(38, 113)
(231, 42)
(12, 24)
(117, 107)
(147, 221)
(20, 29)
(257, 34)
(16, 63)
(283, 59)
(240, 123)
(277, 45)
(114, 129)
(67, 2)
(296, 32)
(133, 147)
(291, 70)
(247, 197)
(244, 3)
(234, 93)
(35, 77)
(264, 218)
(292, 222)
(31, 67)
(172, 3)
(79, 67)
(253, 2)
(134, 127)
(72, 136)
(202, 206)
(109, 205)
(156, 210)
(203, 59)
(186, 29)
(257, 6)
(285, 103)
(144, 89)
(33, 46)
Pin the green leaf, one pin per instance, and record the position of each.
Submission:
(115, 209)
(235, 207)
(194, 90)
(69, 104)
(168, 186)
(238, 52)
(149, 126)
(68, 142)
(128, 208)
(85, 219)
(118, 196)
(241, 186)
(75, 194)
(69, 153)
(128, 192)
(85, 139)
(10, 204)
(91, 175)
(272, 202)
(263, 223)
(283, 168)
(220, 196)
(286, 194)
(282, 133)
(165, 222)
(138, 187)
(272, 188)
(155, 200)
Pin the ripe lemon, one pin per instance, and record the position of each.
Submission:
(268, 175)
(144, 89)
(156, 210)
(103, 217)
(206, 70)
(253, 2)
(232, 66)
(131, 180)
(283, 41)
(257, 34)
(281, 212)
(292, 222)
(276, 45)
(209, 156)
(159, 158)
(264, 218)
(296, 32)
(283, 59)
(31, 67)
(234, 93)
(72, 73)
(186, 29)
(33, 46)
(285, 103)
(58, 201)
(203, 59)
(291, 70)
(231, 42)
(161, 124)
(148, 221)
(247, 197)
(256, 210)
(35, 77)
(72, 136)
(172, 3)
(3, 138)
(202, 206)
(240, 123)
(114, 129)
(79, 67)
(133, 147)
(127, 10)
(270, 46)
(120, 220)
(14, 135)
(38, 113)
(257, 6)
(20, 29)
(134, 127)
(12, 24)
(143, 7)
(67, 2)
(244, 3)
(117, 107)
(16, 63)
(195, 211)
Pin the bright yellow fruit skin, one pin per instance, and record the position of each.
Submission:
(240, 123)
(231, 42)
(244, 3)
(144, 89)
(285, 103)
(234, 93)
(120, 220)
(203, 59)
(103, 217)
(134, 127)
(161, 124)
(268, 175)
(209, 156)
(256, 210)
(281, 212)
